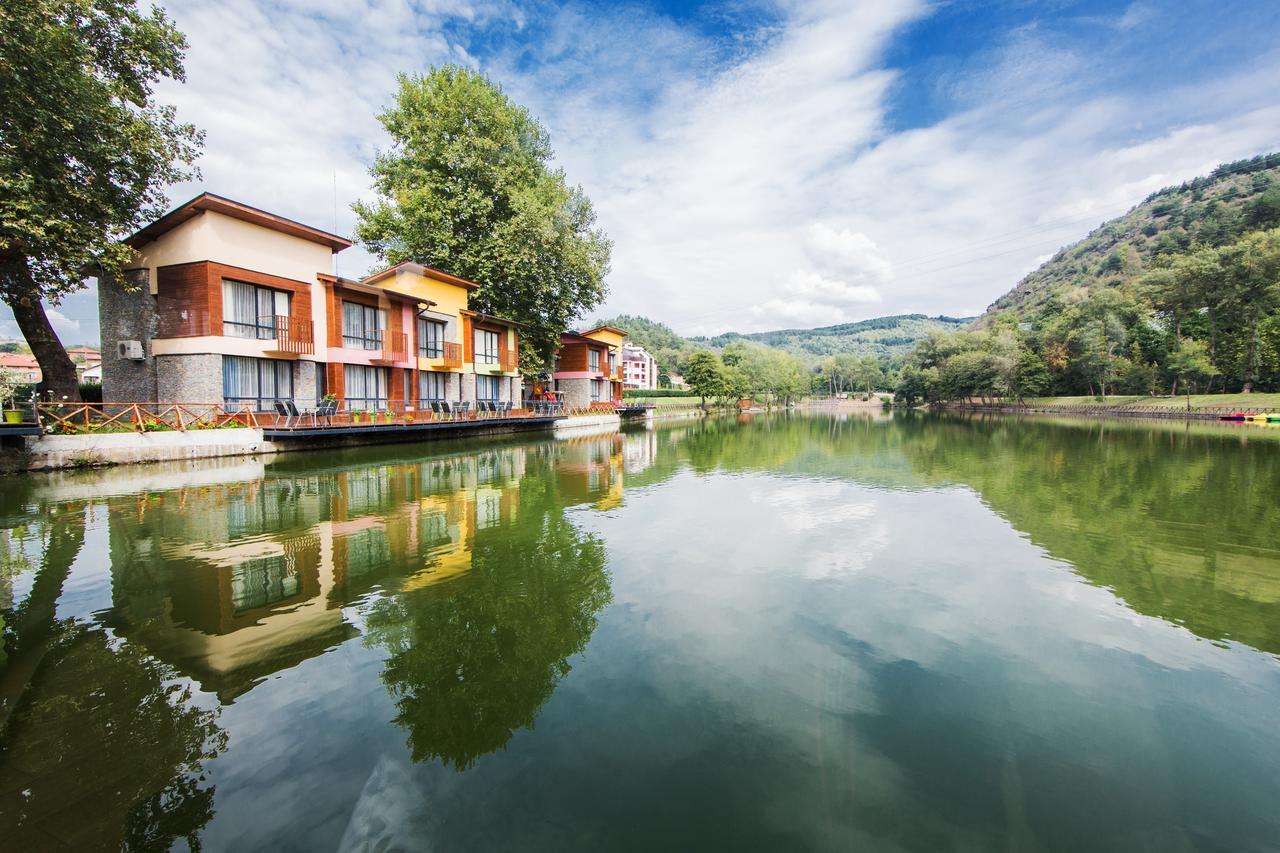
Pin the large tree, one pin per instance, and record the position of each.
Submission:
(85, 151)
(467, 186)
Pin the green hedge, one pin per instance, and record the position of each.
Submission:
(656, 392)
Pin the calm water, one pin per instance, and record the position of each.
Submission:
(789, 633)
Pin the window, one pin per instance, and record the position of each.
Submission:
(593, 360)
(365, 387)
(249, 311)
(486, 347)
(430, 338)
(258, 382)
(362, 326)
(431, 386)
(486, 388)
(597, 390)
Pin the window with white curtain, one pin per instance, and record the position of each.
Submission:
(486, 387)
(430, 338)
(431, 386)
(362, 326)
(486, 347)
(250, 311)
(597, 390)
(593, 360)
(258, 382)
(364, 387)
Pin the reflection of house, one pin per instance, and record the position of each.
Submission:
(590, 471)
(255, 582)
(587, 368)
(233, 304)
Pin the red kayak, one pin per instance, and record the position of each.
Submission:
(1236, 417)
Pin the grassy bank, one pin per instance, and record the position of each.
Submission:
(1252, 401)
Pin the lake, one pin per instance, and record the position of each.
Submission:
(793, 632)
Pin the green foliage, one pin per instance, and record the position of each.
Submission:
(705, 374)
(1208, 212)
(885, 338)
(642, 393)
(85, 150)
(468, 187)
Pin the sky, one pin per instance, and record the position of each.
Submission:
(758, 165)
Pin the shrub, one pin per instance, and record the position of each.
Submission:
(639, 393)
(91, 392)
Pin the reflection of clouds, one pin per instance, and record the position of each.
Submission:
(952, 623)
(808, 506)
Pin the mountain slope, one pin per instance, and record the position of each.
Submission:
(885, 337)
(1214, 210)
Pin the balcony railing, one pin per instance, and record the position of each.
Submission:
(294, 337)
(395, 347)
(449, 353)
(509, 361)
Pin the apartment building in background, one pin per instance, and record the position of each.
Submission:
(588, 366)
(228, 303)
(639, 370)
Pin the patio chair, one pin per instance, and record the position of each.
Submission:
(435, 409)
(326, 411)
(283, 412)
(292, 408)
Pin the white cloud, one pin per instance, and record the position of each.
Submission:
(745, 182)
(62, 324)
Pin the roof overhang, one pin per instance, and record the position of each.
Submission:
(424, 271)
(236, 210)
(490, 318)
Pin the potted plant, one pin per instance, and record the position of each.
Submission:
(357, 416)
(8, 388)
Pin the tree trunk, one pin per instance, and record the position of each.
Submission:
(58, 372)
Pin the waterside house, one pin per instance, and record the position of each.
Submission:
(228, 303)
(588, 368)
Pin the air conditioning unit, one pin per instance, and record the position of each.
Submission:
(129, 350)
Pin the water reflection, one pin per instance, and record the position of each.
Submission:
(795, 603)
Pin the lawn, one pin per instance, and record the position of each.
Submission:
(1252, 401)
(667, 402)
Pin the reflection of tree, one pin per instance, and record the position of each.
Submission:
(1176, 520)
(101, 728)
(472, 663)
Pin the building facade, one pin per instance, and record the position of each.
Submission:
(227, 303)
(588, 366)
(639, 370)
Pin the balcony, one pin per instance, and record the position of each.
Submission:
(293, 337)
(509, 361)
(447, 353)
(394, 349)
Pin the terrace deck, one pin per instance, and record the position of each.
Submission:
(306, 428)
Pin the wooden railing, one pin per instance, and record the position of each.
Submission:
(395, 347)
(296, 337)
(508, 360)
(452, 354)
(96, 418)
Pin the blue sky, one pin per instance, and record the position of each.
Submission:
(759, 164)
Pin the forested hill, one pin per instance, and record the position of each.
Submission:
(885, 337)
(1215, 210)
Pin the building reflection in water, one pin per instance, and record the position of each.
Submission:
(234, 583)
(465, 569)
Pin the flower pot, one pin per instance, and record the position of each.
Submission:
(13, 416)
